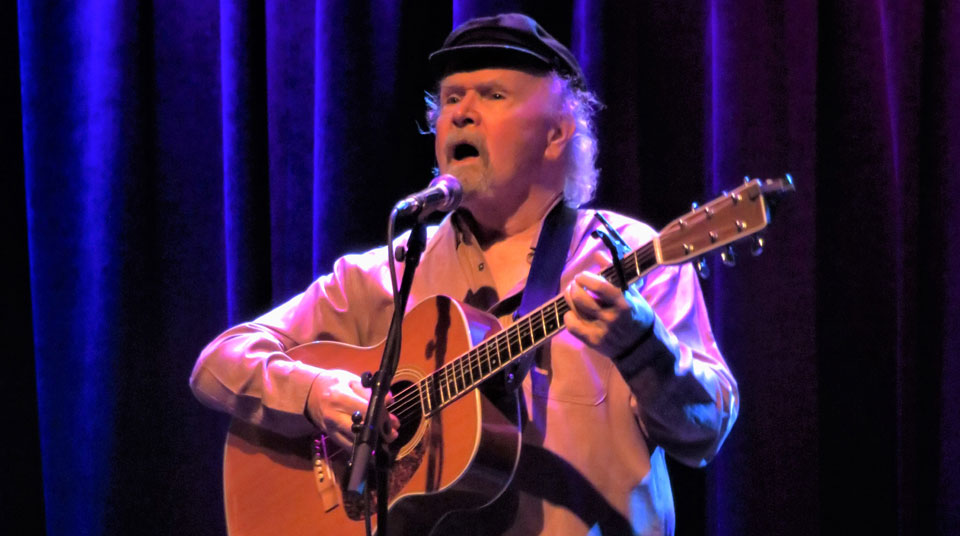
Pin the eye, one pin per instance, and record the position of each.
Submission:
(451, 99)
(496, 95)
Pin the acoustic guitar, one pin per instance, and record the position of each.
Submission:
(457, 449)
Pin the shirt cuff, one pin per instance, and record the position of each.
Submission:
(649, 348)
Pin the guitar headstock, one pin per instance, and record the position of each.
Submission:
(733, 216)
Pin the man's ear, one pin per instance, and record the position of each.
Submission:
(559, 136)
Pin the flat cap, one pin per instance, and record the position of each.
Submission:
(510, 40)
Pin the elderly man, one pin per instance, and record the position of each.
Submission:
(636, 374)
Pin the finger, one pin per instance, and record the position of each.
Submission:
(342, 439)
(577, 325)
(388, 420)
(583, 303)
(366, 392)
(568, 295)
(391, 428)
(588, 332)
(359, 389)
(602, 290)
(573, 323)
(342, 430)
(349, 401)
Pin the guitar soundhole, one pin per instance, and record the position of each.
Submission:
(409, 414)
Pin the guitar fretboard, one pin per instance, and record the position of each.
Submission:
(461, 375)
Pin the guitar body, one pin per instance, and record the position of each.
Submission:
(460, 458)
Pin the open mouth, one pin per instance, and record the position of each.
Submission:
(464, 150)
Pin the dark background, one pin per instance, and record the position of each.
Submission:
(179, 166)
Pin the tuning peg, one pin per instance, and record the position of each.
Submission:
(729, 257)
(746, 179)
(694, 206)
(703, 269)
(756, 248)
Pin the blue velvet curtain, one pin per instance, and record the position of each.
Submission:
(179, 166)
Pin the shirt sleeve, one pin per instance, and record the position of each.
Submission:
(246, 372)
(684, 395)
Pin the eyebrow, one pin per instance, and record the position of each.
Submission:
(495, 85)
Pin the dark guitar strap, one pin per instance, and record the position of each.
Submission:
(543, 281)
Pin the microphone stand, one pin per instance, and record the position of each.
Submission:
(368, 441)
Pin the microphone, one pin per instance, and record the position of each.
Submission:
(444, 194)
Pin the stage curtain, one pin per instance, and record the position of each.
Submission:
(180, 166)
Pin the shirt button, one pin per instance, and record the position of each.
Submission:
(480, 267)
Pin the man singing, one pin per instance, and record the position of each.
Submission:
(635, 376)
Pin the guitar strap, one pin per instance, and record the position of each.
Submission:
(543, 281)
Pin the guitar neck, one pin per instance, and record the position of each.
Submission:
(466, 372)
(724, 220)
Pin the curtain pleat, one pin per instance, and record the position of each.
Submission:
(186, 165)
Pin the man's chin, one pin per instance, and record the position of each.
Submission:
(470, 177)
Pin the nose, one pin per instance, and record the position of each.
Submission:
(465, 112)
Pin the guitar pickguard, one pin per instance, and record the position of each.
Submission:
(400, 473)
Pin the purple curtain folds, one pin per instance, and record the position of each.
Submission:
(189, 164)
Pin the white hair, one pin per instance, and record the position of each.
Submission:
(581, 171)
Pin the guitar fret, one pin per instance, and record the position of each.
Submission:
(458, 376)
(493, 354)
(434, 391)
(424, 396)
(527, 330)
(516, 340)
(483, 348)
(444, 389)
(452, 379)
(649, 262)
(474, 365)
(549, 325)
(630, 265)
(502, 342)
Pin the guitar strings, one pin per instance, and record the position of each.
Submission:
(410, 398)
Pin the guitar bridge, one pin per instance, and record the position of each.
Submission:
(324, 476)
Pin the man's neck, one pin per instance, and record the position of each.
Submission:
(492, 226)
